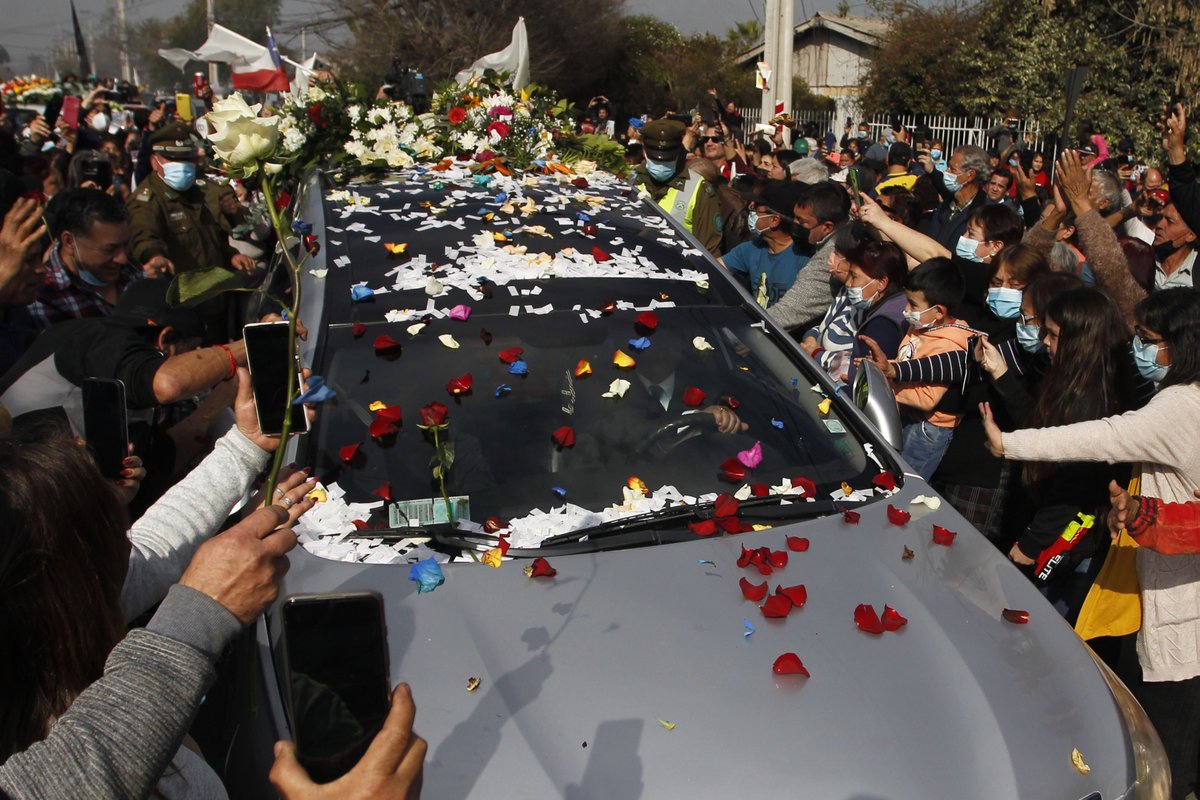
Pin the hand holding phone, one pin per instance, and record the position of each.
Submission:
(106, 424)
(268, 356)
(71, 106)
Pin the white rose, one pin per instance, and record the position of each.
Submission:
(316, 94)
(244, 141)
(398, 158)
(230, 109)
(293, 140)
(356, 149)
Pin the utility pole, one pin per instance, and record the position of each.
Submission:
(303, 44)
(778, 34)
(211, 16)
(123, 42)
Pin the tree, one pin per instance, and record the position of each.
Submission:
(745, 35)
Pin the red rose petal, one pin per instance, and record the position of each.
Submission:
(897, 516)
(540, 568)
(705, 527)
(942, 536)
(359, 524)
(383, 490)
(358, 329)
(797, 595)
(503, 545)
(760, 490)
(1015, 616)
(885, 480)
(511, 354)
(726, 505)
(608, 307)
(734, 525)
(745, 557)
(797, 543)
(753, 591)
(730, 401)
(777, 606)
(693, 397)
(778, 558)
(385, 343)
(493, 524)
(460, 385)
(810, 488)
(789, 664)
(486, 335)
(348, 452)
(390, 413)
(564, 436)
(600, 255)
(891, 619)
(648, 320)
(580, 183)
(866, 619)
(733, 470)
(851, 517)
(380, 427)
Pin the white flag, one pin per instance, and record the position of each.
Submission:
(513, 59)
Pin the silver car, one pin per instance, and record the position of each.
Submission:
(649, 665)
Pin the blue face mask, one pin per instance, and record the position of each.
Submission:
(1005, 303)
(85, 275)
(1030, 338)
(660, 172)
(1145, 358)
(1012, 162)
(862, 134)
(967, 248)
(951, 181)
(855, 295)
(179, 175)
(935, 154)
(752, 222)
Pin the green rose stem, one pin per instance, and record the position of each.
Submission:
(281, 233)
(441, 473)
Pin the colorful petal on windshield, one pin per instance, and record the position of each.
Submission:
(623, 360)
(460, 312)
(540, 568)
(600, 255)
(760, 490)
(637, 484)
(942, 536)
(564, 436)
(851, 517)
(752, 456)
(754, 592)
(358, 329)
(704, 527)
(511, 354)
(726, 505)
(518, 367)
(777, 606)
(885, 480)
(693, 397)
(383, 490)
(908, 554)
(733, 470)
(396, 248)
(449, 341)
(360, 293)
(377, 405)
(891, 619)
(777, 423)
(385, 344)
(867, 620)
(390, 413)
(559, 491)
(583, 368)
(493, 558)
(427, 574)
(778, 558)
(796, 595)
(503, 390)
(1015, 616)
(493, 524)
(647, 320)
(701, 344)
(617, 388)
(608, 307)
(797, 543)
(640, 343)
(897, 516)
(381, 427)
(745, 558)
(801, 482)
(747, 629)
(730, 401)
(348, 452)
(460, 385)
(789, 664)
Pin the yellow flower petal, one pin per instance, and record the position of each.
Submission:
(473, 684)
(1078, 762)
(637, 484)
(847, 489)
(668, 725)
(378, 405)
(396, 248)
(318, 494)
(583, 368)
(824, 406)
(449, 341)
(622, 359)
(492, 558)
(701, 344)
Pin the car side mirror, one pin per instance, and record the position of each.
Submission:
(874, 397)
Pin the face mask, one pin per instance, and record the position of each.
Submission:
(951, 181)
(968, 249)
(85, 275)
(862, 134)
(935, 154)
(660, 172)
(1165, 250)
(855, 295)
(179, 175)
(752, 222)
(889, 138)
(1030, 338)
(100, 122)
(1005, 303)
(1145, 357)
(913, 318)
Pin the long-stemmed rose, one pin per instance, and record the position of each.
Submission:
(435, 418)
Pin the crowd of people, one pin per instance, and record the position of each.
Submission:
(1042, 333)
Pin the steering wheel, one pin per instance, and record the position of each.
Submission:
(675, 432)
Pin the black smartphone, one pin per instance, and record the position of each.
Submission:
(267, 356)
(337, 678)
(98, 171)
(106, 424)
(972, 372)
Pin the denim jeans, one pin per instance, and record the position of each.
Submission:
(924, 446)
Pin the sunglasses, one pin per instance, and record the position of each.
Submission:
(716, 139)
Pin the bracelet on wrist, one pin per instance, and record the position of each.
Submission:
(232, 361)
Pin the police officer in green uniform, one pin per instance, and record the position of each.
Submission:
(679, 191)
(177, 219)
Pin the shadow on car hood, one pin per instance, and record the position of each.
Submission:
(629, 675)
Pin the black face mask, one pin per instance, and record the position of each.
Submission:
(1165, 250)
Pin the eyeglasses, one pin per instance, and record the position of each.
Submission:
(1141, 334)
(715, 139)
(1031, 319)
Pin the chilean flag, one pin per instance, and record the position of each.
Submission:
(264, 74)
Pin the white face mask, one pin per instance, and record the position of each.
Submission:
(913, 318)
(100, 122)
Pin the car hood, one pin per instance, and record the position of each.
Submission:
(630, 673)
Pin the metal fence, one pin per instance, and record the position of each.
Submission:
(952, 132)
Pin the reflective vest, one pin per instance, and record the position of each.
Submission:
(680, 203)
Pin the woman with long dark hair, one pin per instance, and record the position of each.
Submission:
(1165, 438)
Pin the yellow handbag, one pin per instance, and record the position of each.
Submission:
(1113, 606)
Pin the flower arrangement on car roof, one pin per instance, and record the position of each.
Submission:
(29, 89)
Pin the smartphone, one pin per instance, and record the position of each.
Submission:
(267, 356)
(337, 679)
(98, 171)
(70, 111)
(972, 373)
(183, 106)
(106, 424)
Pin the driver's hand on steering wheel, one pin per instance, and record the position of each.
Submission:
(727, 421)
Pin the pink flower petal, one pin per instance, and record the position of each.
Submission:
(751, 457)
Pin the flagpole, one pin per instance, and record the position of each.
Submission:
(211, 18)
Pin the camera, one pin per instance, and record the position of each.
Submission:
(408, 86)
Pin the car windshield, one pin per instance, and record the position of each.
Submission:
(507, 461)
